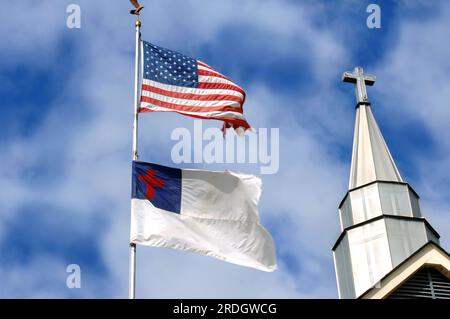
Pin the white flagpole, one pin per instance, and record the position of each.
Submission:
(132, 273)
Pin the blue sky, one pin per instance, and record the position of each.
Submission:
(65, 127)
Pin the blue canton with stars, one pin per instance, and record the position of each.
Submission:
(169, 67)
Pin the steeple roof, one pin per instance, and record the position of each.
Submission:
(371, 159)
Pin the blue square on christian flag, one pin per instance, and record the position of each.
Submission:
(158, 184)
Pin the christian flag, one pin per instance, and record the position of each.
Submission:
(173, 82)
(210, 213)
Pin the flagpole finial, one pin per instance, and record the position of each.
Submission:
(137, 7)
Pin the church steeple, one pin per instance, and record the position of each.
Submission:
(381, 222)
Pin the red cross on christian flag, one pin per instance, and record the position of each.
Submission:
(160, 185)
(151, 181)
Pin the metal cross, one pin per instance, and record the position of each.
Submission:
(360, 80)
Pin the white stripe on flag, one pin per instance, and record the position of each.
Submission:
(218, 114)
(186, 102)
(187, 90)
(214, 79)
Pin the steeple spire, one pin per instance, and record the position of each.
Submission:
(371, 159)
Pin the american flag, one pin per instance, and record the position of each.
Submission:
(173, 82)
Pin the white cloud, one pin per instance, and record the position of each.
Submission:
(299, 203)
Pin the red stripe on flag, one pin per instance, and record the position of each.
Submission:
(220, 86)
(190, 96)
(209, 73)
(186, 108)
(204, 65)
(236, 122)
